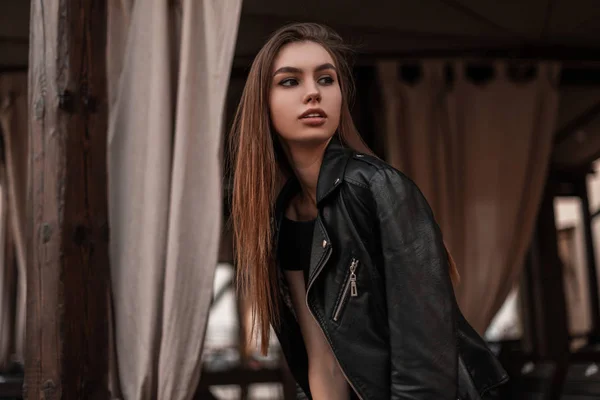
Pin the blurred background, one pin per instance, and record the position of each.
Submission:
(493, 108)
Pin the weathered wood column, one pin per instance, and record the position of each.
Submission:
(544, 275)
(67, 274)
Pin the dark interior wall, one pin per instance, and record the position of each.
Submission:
(367, 108)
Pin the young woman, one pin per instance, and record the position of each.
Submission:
(345, 261)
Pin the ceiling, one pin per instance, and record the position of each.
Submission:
(396, 26)
(556, 29)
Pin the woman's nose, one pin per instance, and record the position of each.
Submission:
(312, 95)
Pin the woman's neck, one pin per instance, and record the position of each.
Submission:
(306, 163)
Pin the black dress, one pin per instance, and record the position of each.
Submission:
(294, 247)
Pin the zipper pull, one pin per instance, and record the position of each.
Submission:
(353, 286)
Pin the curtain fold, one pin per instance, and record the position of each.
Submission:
(7, 283)
(479, 150)
(13, 283)
(169, 65)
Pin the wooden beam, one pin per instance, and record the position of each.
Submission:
(10, 386)
(241, 376)
(13, 54)
(578, 151)
(67, 268)
(577, 123)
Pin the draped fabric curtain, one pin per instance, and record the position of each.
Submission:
(13, 186)
(479, 150)
(7, 283)
(168, 64)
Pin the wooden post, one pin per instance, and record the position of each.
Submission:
(546, 296)
(547, 323)
(68, 270)
(546, 274)
(590, 251)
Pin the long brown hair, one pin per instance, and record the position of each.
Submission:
(258, 165)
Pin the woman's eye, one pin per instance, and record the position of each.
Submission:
(288, 82)
(326, 80)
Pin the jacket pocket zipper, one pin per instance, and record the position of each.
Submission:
(350, 289)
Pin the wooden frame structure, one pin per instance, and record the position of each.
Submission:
(68, 270)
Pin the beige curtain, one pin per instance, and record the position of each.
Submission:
(479, 152)
(7, 284)
(13, 127)
(169, 65)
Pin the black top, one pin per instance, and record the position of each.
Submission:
(295, 242)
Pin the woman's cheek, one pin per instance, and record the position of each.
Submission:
(281, 115)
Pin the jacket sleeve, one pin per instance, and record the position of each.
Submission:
(419, 294)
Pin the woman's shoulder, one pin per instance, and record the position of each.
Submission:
(378, 184)
(373, 173)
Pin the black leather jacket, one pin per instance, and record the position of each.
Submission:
(379, 287)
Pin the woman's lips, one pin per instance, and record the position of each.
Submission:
(313, 117)
(313, 121)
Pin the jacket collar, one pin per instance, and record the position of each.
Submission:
(331, 176)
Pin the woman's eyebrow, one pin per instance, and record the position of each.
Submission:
(295, 70)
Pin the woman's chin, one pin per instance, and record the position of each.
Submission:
(312, 136)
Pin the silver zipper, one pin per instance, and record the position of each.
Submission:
(323, 332)
(350, 286)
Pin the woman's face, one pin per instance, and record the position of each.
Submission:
(305, 99)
